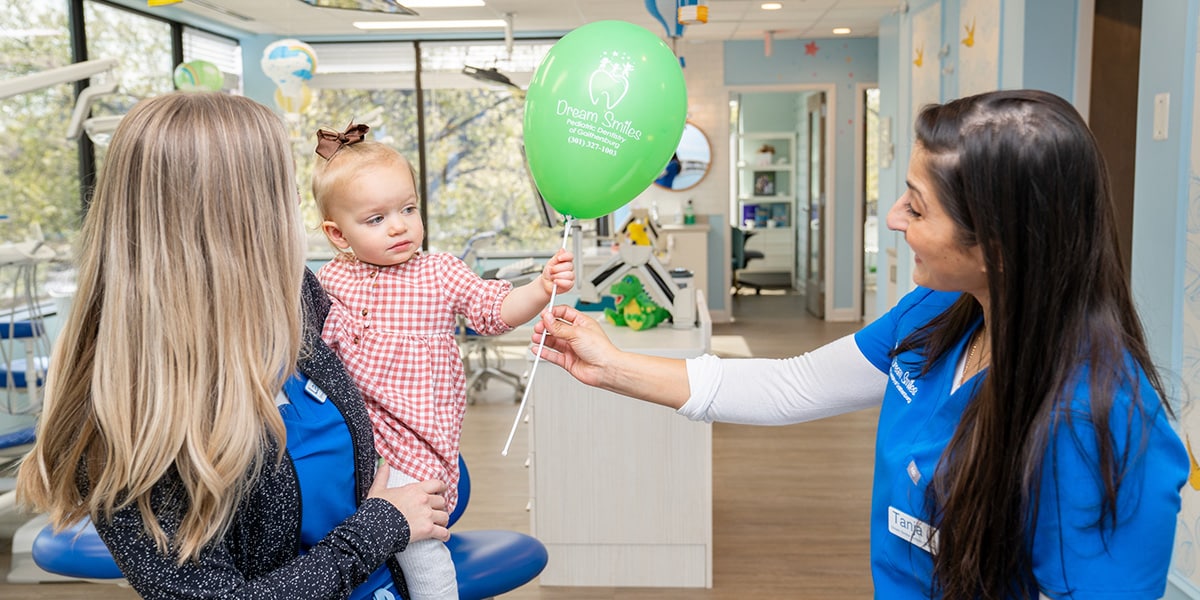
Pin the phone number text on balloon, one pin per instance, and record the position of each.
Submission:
(589, 144)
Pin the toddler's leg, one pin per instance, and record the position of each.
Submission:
(428, 568)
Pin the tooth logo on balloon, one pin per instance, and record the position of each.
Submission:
(610, 81)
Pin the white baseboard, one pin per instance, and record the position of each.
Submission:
(720, 316)
(843, 315)
(1180, 588)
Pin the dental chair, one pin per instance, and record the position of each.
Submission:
(489, 562)
(24, 343)
(24, 353)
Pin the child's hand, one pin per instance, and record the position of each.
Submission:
(559, 272)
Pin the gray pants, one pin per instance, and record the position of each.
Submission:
(428, 568)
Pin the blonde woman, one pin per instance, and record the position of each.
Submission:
(190, 399)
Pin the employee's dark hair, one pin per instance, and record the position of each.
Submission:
(1021, 175)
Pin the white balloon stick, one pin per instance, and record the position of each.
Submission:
(537, 357)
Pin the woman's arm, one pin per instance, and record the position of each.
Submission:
(239, 564)
(576, 343)
(831, 380)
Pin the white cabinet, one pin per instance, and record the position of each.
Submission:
(766, 197)
(776, 244)
(622, 489)
(687, 247)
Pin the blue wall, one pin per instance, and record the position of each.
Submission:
(769, 112)
(891, 177)
(1160, 188)
(1050, 33)
(1160, 269)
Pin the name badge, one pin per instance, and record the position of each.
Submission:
(912, 530)
(313, 390)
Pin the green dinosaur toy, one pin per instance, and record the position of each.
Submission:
(635, 308)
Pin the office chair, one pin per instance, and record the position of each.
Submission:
(488, 562)
(741, 257)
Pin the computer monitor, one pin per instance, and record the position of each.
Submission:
(609, 225)
(550, 217)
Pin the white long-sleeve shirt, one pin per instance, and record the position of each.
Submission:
(831, 380)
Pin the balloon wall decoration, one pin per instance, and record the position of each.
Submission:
(290, 64)
(197, 76)
(603, 114)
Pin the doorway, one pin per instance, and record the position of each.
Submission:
(814, 283)
(869, 142)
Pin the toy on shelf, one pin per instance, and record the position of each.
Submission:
(635, 308)
(635, 256)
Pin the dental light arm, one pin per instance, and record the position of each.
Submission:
(49, 77)
(83, 105)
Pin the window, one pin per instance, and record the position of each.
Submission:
(477, 179)
(39, 172)
(143, 46)
(475, 176)
(220, 51)
(363, 83)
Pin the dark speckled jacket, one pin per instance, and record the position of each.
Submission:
(259, 557)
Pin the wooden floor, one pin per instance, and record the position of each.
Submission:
(790, 504)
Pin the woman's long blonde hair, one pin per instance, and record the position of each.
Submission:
(186, 321)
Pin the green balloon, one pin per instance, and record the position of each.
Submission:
(603, 114)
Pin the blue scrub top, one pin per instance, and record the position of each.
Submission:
(319, 444)
(1071, 558)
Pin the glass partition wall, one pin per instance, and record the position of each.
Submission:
(462, 133)
(45, 177)
(39, 171)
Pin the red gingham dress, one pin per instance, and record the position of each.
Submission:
(394, 328)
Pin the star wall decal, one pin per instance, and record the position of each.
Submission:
(811, 48)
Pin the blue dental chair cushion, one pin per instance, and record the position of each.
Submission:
(17, 437)
(21, 329)
(489, 562)
(19, 368)
(75, 552)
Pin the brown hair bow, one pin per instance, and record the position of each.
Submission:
(329, 142)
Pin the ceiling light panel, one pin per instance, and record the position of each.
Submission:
(423, 25)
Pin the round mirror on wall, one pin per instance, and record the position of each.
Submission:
(690, 163)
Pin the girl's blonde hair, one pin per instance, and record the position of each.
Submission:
(330, 177)
(186, 322)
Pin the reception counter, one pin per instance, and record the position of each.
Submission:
(621, 490)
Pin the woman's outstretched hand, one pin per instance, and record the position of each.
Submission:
(422, 504)
(576, 343)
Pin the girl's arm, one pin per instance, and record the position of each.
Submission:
(525, 302)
